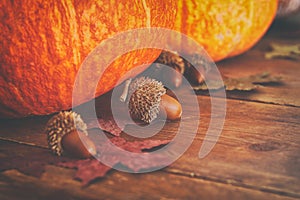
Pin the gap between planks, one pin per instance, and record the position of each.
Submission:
(233, 183)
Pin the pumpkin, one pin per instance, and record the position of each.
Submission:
(224, 28)
(43, 44)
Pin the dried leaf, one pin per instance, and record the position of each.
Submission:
(87, 170)
(212, 84)
(108, 124)
(145, 160)
(242, 84)
(284, 51)
(137, 146)
(107, 121)
(91, 169)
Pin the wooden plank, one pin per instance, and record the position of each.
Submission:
(258, 148)
(253, 62)
(28, 130)
(58, 183)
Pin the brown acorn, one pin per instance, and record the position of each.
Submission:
(67, 134)
(170, 107)
(171, 78)
(172, 59)
(148, 98)
(194, 72)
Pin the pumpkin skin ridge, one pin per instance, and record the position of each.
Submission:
(224, 28)
(241, 48)
(42, 53)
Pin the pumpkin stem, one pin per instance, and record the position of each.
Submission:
(124, 94)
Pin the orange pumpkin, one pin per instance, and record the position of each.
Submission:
(224, 28)
(43, 43)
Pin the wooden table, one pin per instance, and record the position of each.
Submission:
(256, 157)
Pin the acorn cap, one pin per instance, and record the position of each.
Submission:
(61, 124)
(145, 96)
(171, 59)
(200, 62)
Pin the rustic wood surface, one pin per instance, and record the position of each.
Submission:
(256, 156)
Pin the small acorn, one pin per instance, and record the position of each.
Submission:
(67, 135)
(172, 59)
(148, 100)
(171, 78)
(194, 73)
(170, 107)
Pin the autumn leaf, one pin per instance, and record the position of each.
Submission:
(114, 125)
(241, 84)
(144, 160)
(138, 146)
(250, 82)
(109, 120)
(91, 169)
(108, 125)
(87, 170)
(284, 51)
(209, 85)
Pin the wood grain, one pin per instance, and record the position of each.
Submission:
(258, 147)
(57, 183)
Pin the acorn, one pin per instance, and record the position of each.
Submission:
(172, 59)
(148, 100)
(173, 78)
(194, 72)
(67, 135)
(170, 108)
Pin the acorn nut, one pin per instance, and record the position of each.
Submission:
(194, 76)
(170, 107)
(172, 78)
(148, 100)
(67, 135)
(196, 68)
(77, 144)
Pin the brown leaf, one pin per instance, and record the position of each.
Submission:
(284, 51)
(108, 124)
(87, 170)
(145, 161)
(107, 121)
(212, 84)
(91, 169)
(137, 146)
(242, 84)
